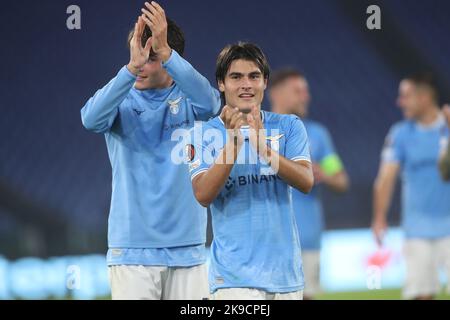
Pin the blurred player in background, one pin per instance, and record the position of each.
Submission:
(444, 161)
(157, 230)
(289, 94)
(255, 253)
(412, 148)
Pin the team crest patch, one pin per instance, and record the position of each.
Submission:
(274, 142)
(190, 152)
(275, 138)
(174, 105)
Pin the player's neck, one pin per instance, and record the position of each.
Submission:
(160, 83)
(166, 83)
(280, 110)
(302, 115)
(429, 117)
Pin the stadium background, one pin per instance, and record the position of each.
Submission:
(55, 176)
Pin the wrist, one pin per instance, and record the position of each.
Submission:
(133, 68)
(265, 152)
(164, 54)
(235, 144)
(379, 218)
(234, 139)
(229, 154)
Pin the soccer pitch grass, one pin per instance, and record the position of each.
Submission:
(394, 294)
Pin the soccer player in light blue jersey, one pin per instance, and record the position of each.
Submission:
(289, 94)
(412, 149)
(444, 161)
(157, 230)
(242, 164)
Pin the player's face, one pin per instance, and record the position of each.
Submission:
(294, 96)
(409, 100)
(244, 85)
(152, 75)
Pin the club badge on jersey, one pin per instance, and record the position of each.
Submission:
(175, 105)
(274, 142)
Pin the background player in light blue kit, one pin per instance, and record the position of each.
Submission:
(444, 161)
(412, 149)
(244, 174)
(289, 94)
(157, 230)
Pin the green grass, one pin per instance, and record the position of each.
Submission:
(394, 294)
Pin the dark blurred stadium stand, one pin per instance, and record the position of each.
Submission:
(55, 176)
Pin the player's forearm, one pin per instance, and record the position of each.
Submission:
(382, 195)
(338, 182)
(193, 84)
(208, 185)
(444, 164)
(99, 112)
(297, 174)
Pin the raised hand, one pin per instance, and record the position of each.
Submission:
(138, 54)
(257, 135)
(233, 120)
(155, 18)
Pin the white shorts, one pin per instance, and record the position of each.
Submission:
(424, 259)
(311, 272)
(253, 294)
(158, 283)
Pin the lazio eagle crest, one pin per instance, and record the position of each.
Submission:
(275, 142)
(175, 105)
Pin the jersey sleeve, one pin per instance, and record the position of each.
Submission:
(99, 112)
(199, 155)
(297, 145)
(205, 99)
(393, 149)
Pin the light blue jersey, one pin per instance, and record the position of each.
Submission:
(425, 196)
(256, 242)
(152, 203)
(308, 207)
(445, 143)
